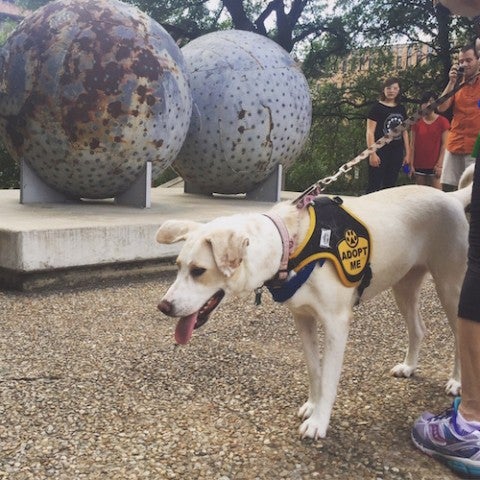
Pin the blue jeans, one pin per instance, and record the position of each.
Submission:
(385, 175)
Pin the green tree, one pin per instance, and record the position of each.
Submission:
(288, 23)
(9, 170)
(382, 22)
(338, 124)
(185, 20)
(339, 111)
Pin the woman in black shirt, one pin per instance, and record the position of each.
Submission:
(385, 115)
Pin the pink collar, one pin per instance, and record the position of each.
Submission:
(282, 230)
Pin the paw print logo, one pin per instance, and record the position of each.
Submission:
(351, 238)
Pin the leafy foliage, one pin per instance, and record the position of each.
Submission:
(185, 20)
(9, 170)
(6, 29)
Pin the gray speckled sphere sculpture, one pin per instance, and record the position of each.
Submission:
(251, 111)
(92, 89)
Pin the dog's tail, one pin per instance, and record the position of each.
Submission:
(464, 192)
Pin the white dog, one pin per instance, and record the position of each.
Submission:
(413, 230)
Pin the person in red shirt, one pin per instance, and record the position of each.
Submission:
(427, 145)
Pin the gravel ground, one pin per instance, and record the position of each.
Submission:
(92, 387)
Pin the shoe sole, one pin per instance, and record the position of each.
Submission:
(465, 467)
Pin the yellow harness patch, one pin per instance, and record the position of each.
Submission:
(334, 234)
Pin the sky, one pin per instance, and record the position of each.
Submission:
(330, 3)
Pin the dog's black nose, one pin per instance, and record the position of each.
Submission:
(165, 307)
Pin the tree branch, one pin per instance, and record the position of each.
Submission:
(239, 16)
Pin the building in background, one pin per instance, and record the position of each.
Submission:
(404, 56)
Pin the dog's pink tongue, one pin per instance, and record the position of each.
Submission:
(185, 327)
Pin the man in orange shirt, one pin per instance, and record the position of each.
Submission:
(466, 117)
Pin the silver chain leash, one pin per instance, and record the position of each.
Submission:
(315, 189)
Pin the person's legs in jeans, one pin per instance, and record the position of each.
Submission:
(392, 169)
(375, 177)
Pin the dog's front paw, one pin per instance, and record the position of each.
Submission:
(305, 410)
(453, 387)
(402, 370)
(313, 428)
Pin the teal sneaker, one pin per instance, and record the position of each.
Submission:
(440, 437)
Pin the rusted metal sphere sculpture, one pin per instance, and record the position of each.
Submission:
(251, 111)
(91, 90)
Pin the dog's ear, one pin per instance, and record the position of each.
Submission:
(228, 247)
(173, 231)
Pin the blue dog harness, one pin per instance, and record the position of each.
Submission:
(334, 234)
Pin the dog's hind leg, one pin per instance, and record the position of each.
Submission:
(448, 290)
(307, 329)
(407, 296)
(324, 376)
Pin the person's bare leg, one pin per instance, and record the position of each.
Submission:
(468, 333)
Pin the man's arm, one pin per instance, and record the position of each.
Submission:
(452, 80)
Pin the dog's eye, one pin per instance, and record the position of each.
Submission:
(197, 271)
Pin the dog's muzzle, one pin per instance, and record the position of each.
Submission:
(187, 324)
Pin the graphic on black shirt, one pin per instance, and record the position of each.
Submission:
(387, 118)
(393, 120)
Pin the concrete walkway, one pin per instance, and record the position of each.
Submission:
(43, 244)
(92, 387)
